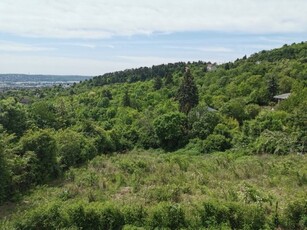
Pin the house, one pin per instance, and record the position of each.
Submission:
(211, 67)
(210, 109)
(282, 96)
(25, 101)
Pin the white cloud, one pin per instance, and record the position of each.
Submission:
(78, 66)
(148, 60)
(106, 18)
(212, 49)
(20, 47)
(57, 65)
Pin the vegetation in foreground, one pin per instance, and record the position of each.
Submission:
(147, 190)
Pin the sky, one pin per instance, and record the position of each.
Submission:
(93, 37)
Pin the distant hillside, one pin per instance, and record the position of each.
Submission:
(287, 52)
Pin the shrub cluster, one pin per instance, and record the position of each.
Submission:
(209, 215)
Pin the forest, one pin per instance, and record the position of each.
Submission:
(194, 145)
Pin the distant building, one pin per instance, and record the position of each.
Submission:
(210, 109)
(211, 67)
(25, 101)
(282, 96)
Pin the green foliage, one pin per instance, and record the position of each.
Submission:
(148, 190)
(43, 144)
(157, 83)
(234, 215)
(135, 215)
(95, 216)
(45, 217)
(120, 111)
(272, 87)
(275, 142)
(215, 142)
(147, 137)
(169, 80)
(273, 121)
(13, 116)
(213, 214)
(4, 176)
(252, 110)
(126, 99)
(296, 215)
(187, 93)
(74, 148)
(26, 172)
(80, 216)
(171, 130)
(44, 114)
(101, 139)
(170, 216)
(202, 122)
(235, 108)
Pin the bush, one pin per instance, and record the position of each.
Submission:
(273, 121)
(74, 148)
(102, 141)
(235, 108)
(135, 215)
(234, 215)
(170, 129)
(95, 216)
(202, 122)
(13, 116)
(246, 217)
(252, 110)
(44, 217)
(4, 177)
(296, 215)
(167, 216)
(44, 146)
(279, 143)
(213, 214)
(215, 142)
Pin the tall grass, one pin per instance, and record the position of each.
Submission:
(172, 191)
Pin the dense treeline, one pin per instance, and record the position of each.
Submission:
(140, 74)
(204, 108)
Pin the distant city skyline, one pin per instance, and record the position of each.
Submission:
(98, 36)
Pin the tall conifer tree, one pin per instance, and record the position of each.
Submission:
(187, 93)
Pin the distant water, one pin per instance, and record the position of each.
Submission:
(37, 81)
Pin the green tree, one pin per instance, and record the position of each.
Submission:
(74, 148)
(169, 79)
(126, 99)
(13, 116)
(4, 174)
(157, 83)
(44, 146)
(235, 108)
(44, 114)
(187, 93)
(170, 129)
(216, 142)
(272, 87)
(202, 122)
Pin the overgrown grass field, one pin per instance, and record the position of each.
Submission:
(147, 190)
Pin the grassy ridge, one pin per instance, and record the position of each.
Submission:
(157, 186)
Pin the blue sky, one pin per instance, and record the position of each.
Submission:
(97, 36)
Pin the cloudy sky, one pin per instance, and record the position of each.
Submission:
(96, 36)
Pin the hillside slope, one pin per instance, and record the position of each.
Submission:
(151, 108)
